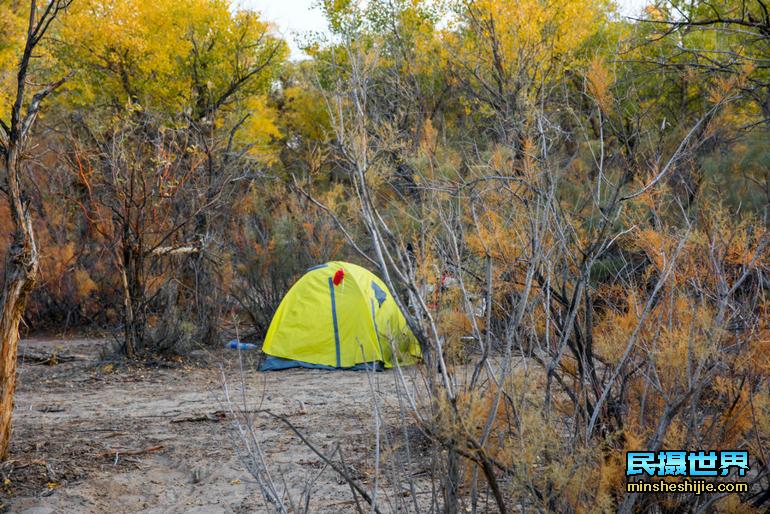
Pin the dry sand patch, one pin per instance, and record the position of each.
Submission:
(171, 433)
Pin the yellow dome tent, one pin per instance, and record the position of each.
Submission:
(338, 316)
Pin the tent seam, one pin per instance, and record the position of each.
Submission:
(334, 321)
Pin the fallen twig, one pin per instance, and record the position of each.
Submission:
(50, 408)
(214, 416)
(48, 359)
(115, 452)
(17, 464)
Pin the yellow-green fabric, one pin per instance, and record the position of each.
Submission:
(368, 321)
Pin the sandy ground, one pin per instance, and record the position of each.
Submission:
(70, 418)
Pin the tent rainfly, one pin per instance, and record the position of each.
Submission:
(339, 316)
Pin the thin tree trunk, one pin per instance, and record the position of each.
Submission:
(128, 316)
(23, 259)
(20, 274)
(131, 268)
(451, 482)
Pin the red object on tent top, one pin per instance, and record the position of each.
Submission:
(338, 276)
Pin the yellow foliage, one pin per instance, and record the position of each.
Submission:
(599, 83)
(428, 139)
(167, 55)
(260, 131)
(11, 42)
(305, 113)
(725, 86)
(85, 285)
(532, 34)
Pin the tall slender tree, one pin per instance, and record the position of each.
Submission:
(23, 256)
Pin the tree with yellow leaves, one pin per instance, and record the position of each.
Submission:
(170, 115)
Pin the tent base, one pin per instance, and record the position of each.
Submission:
(278, 364)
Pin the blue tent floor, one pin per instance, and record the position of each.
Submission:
(277, 364)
